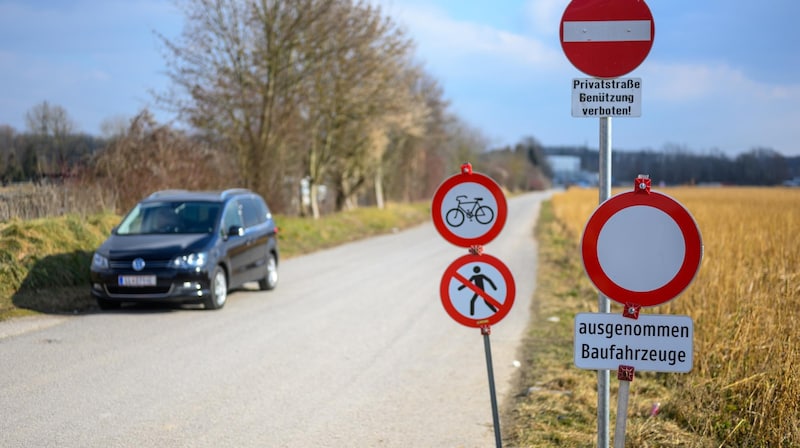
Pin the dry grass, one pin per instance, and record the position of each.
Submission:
(745, 304)
(44, 262)
(558, 403)
(29, 201)
(746, 307)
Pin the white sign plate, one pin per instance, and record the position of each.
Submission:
(653, 342)
(593, 98)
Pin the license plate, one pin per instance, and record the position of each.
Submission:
(137, 280)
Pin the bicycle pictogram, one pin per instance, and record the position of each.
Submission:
(483, 214)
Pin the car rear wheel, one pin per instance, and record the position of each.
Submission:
(270, 281)
(219, 290)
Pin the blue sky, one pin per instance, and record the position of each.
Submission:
(722, 75)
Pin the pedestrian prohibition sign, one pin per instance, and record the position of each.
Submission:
(477, 290)
(469, 208)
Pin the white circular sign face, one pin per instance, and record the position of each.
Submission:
(641, 233)
(641, 248)
(469, 209)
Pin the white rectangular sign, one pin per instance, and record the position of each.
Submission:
(619, 97)
(653, 342)
(607, 31)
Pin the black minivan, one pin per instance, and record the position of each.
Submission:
(187, 247)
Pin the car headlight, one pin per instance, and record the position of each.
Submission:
(99, 261)
(191, 261)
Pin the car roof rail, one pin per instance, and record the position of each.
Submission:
(166, 192)
(232, 191)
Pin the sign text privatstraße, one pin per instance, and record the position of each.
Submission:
(592, 97)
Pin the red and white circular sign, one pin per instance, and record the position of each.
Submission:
(469, 209)
(477, 290)
(641, 248)
(607, 38)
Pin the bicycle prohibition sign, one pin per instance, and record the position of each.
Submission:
(481, 213)
(469, 208)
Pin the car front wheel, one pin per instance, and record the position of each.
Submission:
(270, 281)
(219, 290)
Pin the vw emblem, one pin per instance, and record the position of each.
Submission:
(138, 264)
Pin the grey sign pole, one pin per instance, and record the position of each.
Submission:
(603, 304)
(486, 331)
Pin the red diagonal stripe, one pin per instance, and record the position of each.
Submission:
(485, 295)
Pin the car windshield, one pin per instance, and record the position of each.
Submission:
(170, 217)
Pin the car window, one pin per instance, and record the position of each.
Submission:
(252, 212)
(132, 222)
(232, 216)
(151, 217)
(170, 217)
(198, 217)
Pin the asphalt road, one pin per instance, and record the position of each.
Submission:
(353, 349)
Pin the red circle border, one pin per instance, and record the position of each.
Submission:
(693, 253)
(489, 184)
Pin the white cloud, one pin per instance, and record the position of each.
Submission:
(545, 15)
(461, 45)
(693, 82)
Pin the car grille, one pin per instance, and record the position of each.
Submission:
(137, 291)
(149, 264)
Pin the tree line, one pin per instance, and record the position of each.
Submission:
(676, 165)
(318, 105)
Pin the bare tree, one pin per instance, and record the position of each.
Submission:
(165, 157)
(7, 147)
(49, 120)
(359, 93)
(323, 91)
(115, 126)
(50, 126)
(415, 163)
(237, 73)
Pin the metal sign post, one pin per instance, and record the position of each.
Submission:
(603, 304)
(606, 39)
(469, 210)
(625, 376)
(621, 229)
(486, 331)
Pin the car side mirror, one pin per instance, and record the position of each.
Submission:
(235, 231)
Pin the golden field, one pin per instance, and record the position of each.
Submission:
(744, 389)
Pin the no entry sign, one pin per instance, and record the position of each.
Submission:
(469, 209)
(641, 248)
(607, 38)
(477, 290)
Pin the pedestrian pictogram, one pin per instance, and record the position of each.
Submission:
(469, 209)
(477, 290)
(478, 280)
